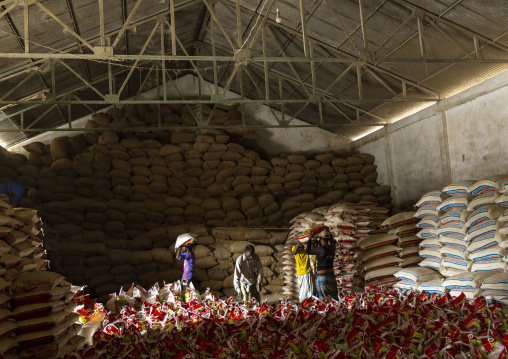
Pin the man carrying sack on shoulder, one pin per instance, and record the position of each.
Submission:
(326, 284)
(248, 275)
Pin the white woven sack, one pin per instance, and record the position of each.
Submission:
(433, 197)
(432, 263)
(429, 222)
(488, 266)
(381, 272)
(185, 238)
(498, 281)
(417, 274)
(493, 183)
(463, 265)
(450, 272)
(453, 202)
(455, 214)
(458, 188)
(467, 279)
(484, 213)
(483, 199)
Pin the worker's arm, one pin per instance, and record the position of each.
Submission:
(18, 193)
(308, 249)
(260, 274)
(236, 277)
(178, 253)
(314, 251)
(297, 247)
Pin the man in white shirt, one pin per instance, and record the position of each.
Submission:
(248, 275)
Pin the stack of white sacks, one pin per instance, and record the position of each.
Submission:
(466, 225)
(36, 306)
(381, 255)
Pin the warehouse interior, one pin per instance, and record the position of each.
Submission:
(126, 124)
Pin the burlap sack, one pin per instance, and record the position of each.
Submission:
(368, 158)
(215, 215)
(368, 169)
(234, 218)
(352, 197)
(206, 262)
(222, 253)
(243, 189)
(30, 170)
(35, 147)
(217, 274)
(243, 168)
(271, 208)
(371, 177)
(278, 161)
(297, 159)
(324, 157)
(238, 247)
(60, 147)
(263, 250)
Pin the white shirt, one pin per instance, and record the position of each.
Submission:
(247, 272)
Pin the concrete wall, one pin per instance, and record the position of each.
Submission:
(275, 141)
(458, 138)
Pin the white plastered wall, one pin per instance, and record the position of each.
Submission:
(462, 137)
(272, 140)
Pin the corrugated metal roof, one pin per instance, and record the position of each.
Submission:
(333, 26)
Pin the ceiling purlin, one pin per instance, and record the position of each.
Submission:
(259, 27)
(297, 84)
(201, 28)
(452, 24)
(349, 36)
(22, 43)
(96, 38)
(340, 52)
(76, 30)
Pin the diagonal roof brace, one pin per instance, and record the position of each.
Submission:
(103, 52)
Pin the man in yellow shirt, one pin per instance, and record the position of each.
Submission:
(305, 278)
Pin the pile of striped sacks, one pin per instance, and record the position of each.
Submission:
(464, 237)
(387, 250)
(348, 224)
(37, 318)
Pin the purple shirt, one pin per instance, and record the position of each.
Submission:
(14, 191)
(188, 264)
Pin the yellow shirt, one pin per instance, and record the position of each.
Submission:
(302, 262)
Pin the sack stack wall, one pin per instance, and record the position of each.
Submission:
(116, 198)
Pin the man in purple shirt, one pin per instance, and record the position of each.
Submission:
(187, 254)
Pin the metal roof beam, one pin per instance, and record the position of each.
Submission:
(328, 98)
(70, 9)
(193, 128)
(22, 45)
(345, 54)
(452, 24)
(95, 39)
